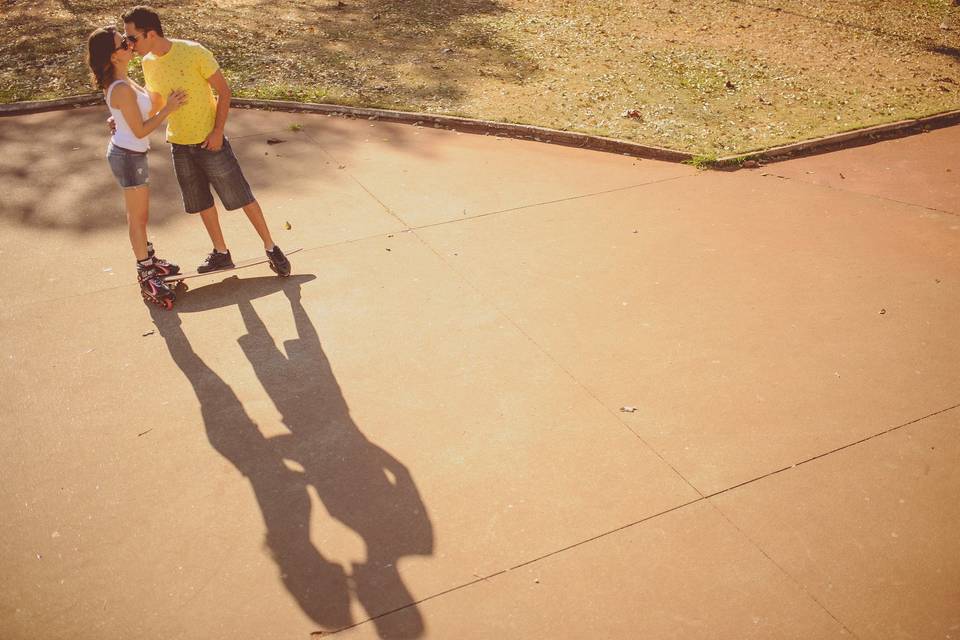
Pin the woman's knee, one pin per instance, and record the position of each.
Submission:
(138, 209)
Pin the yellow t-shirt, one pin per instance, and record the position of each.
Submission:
(186, 66)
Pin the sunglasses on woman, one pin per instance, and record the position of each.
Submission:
(124, 45)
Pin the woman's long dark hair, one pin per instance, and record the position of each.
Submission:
(100, 47)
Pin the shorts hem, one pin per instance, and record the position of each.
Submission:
(200, 210)
(251, 201)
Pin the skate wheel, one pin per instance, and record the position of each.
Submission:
(182, 286)
(167, 303)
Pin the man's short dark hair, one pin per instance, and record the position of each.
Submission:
(144, 18)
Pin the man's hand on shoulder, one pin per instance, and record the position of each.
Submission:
(214, 141)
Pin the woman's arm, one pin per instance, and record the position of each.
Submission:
(124, 98)
(157, 101)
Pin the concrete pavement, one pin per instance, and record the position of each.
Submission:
(421, 433)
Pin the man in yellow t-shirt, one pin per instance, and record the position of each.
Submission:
(202, 155)
(186, 66)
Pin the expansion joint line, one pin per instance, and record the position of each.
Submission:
(831, 187)
(702, 498)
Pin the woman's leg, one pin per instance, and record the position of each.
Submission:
(137, 200)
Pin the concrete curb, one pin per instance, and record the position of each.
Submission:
(72, 102)
(467, 125)
(825, 144)
(836, 142)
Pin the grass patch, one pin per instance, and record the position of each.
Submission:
(710, 77)
(702, 162)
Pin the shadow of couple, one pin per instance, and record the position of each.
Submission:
(359, 484)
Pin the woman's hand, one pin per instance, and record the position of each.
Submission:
(176, 99)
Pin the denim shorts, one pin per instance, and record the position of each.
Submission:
(129, 167)
(197, 169)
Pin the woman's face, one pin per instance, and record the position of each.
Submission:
(123, 53)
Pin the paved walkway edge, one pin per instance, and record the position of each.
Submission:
(484, 127)
(39, 106)
(856, 138)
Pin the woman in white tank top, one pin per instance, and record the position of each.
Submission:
(108, 54)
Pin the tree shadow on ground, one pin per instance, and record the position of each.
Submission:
(418, 54)
(375, 52)
(55, 176)
(387, 53)
(359, 484)
(55, 173)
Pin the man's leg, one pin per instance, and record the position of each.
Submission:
(227, 178)
(255, 215)
(220, 258)
(192, 176)
(211, 220)
(278, 261)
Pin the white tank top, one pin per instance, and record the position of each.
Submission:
(124, 135)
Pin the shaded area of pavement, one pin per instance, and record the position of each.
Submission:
(512, 390)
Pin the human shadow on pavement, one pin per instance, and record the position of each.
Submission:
(358, 483)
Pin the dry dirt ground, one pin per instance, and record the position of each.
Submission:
(710, 77)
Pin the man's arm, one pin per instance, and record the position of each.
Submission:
(215, 140)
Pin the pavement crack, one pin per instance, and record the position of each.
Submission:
(782, 570)
(833, 451)
(550, 357)
(579, 543)
(548, 202)
(860, 193)
(370, 193)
